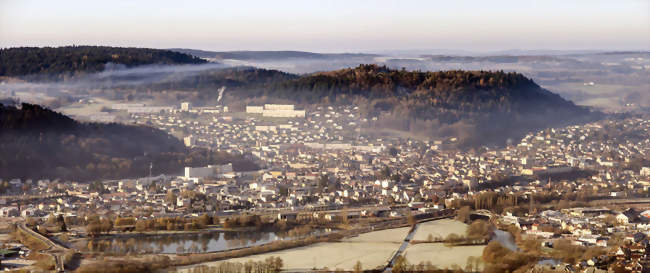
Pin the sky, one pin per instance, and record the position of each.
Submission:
(330, 26)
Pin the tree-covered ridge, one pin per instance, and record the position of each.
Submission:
(477, 107)
(236, 77)
(70, 60)
(31, 117)
(456, 89)
(36, 142)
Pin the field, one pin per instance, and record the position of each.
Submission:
(440, 228)
(437, 253)
(609, 97)
(440, 255)
(372, 249)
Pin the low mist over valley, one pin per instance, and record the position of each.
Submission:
(475, 106)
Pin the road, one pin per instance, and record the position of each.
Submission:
(55, 250)
(407, 241)
(401, 249)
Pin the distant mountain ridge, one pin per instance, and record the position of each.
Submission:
(71, 60)
(266, 55)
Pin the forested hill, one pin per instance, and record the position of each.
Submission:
(458, 90)
(36, 142)
(234, 78)
(478, 107)
(70, 60)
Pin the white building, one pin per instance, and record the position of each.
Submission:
(209, 171)
(189, 141)
(278, 106)
(645, 171)
(284, 113)
(254, 109)
(276, 110)
(185, 106)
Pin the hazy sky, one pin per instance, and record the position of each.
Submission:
(329, 26)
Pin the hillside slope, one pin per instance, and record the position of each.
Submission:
(38, 143)
(477, 107)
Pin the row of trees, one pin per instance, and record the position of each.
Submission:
(97, 226)
(176, 223)
(243, 221)
(269, 265)
(402, 265)
(519, 204)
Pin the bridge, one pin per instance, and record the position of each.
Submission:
(54, 249)
(391, 261)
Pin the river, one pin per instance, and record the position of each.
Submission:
(184, 243)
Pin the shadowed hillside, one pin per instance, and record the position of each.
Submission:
(38, 143)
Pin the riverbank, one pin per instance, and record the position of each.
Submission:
(373, 249)
(171, 261)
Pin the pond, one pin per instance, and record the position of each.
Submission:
(179, 243)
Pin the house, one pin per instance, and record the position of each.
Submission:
(9, 212)
(621, 218)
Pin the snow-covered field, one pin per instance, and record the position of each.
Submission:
(372, 249)
(440, 255)
(439, 228)
(395, 235)
(339, 255)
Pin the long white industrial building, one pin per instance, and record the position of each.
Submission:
(276, 110)
(209, 171)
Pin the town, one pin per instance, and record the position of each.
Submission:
(579, 186)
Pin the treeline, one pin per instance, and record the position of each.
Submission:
(208, 81)
(501, 259)
(402, 265)
(243, 221)
(444, 88)
(477, 233)
(61, 62)
(96, 226)
(36, 143)
(291, 228)
(269, 265)
(498, 202)
(175, 223)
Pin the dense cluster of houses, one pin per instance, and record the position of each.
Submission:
(324, 161)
